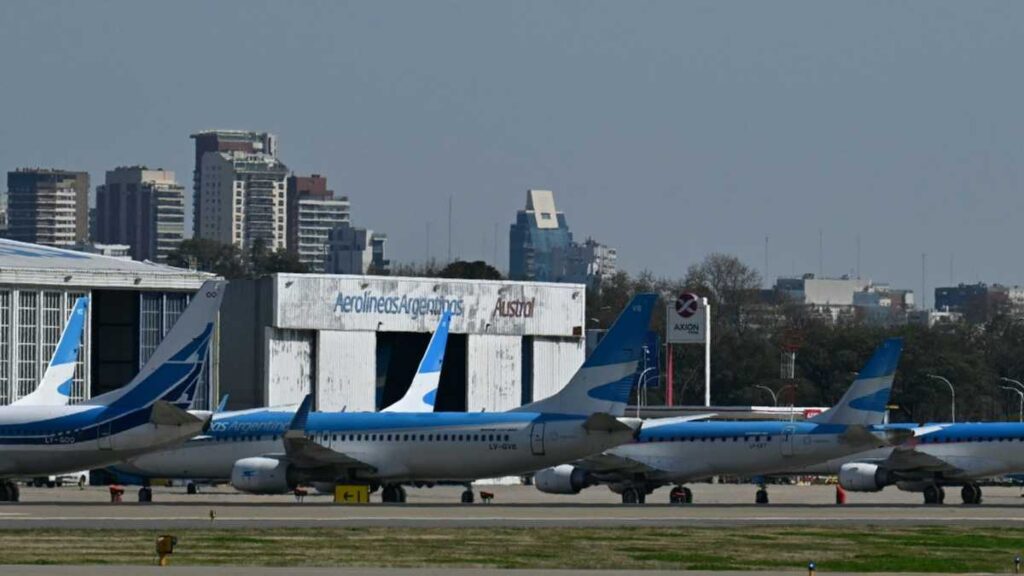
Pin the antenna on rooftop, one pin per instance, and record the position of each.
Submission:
(821, 253)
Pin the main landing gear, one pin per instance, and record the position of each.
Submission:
(392, 494)
(467, 495)
(9, 491)
(680, 495)
(934, 494)
(633, 495)
(971, 493)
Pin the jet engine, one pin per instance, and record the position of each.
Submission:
(863, 477)
(260, 475)
(562, 479)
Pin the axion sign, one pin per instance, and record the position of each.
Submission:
(685, 319)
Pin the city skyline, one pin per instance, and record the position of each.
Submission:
(724, 125)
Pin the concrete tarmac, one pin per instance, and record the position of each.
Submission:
(513, 506)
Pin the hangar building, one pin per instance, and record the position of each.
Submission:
(355, 341)
(132, 306)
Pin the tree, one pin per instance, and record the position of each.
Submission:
(477, 270)
(209, 256)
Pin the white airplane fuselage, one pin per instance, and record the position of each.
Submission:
(36, 440)
(694, 450)
(400, 447)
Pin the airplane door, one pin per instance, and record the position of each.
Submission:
(787, 440)
(537, 439)
(104, 440)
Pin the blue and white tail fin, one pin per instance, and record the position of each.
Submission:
(173, 372)
(864, 403)
(604, 381)
(422, 392)
(55, 387)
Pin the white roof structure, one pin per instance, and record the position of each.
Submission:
(27, 264)
(542, 204)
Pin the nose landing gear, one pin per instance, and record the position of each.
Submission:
(680, 495)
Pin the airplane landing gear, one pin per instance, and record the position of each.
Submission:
(392, 494)
(9, 491)
(680, 495)
(761, 497)
(633, 495)
(934, 494)
(467, 495)
(971, 493)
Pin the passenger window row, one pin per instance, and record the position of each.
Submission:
(757, 438)
(412, 437)
(383, 438)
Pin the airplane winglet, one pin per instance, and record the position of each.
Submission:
(298, 423)
(223, 404)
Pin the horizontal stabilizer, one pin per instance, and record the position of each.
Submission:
(165, 413)
(857, 435)
(603, 422)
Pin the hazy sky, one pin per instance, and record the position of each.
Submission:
(666, 129)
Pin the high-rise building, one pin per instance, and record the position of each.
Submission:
(243, 199)
(49, 207)
(356, 251)
(541, 247)
(313, 211)
(539, 241)
(590, 263)
(142, 208)
(224, 141)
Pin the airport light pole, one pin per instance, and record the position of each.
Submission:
(1021, 394)
(1012, 381)
(952, 392)
(641, 383)
(775, 398)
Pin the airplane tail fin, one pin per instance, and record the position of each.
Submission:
(55, 387)
(604, 381)
(865, 401)
(173, 371)
(422, 392)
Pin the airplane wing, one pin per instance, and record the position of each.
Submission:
(607, 463)
(303, 451)
(906, 459)
(655, 422)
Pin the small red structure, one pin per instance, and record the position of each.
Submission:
(116, 492)
(840, 495)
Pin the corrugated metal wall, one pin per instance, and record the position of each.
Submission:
(289, 365)
(555, 360)
(493, 372)
(31, 321)
(346, 369)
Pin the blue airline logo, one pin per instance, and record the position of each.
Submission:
(414, 307)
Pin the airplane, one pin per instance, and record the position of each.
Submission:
(675, 450)
(947, 455)
(146, 414)
(243, 433)
(389, 449)
(55, 387)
